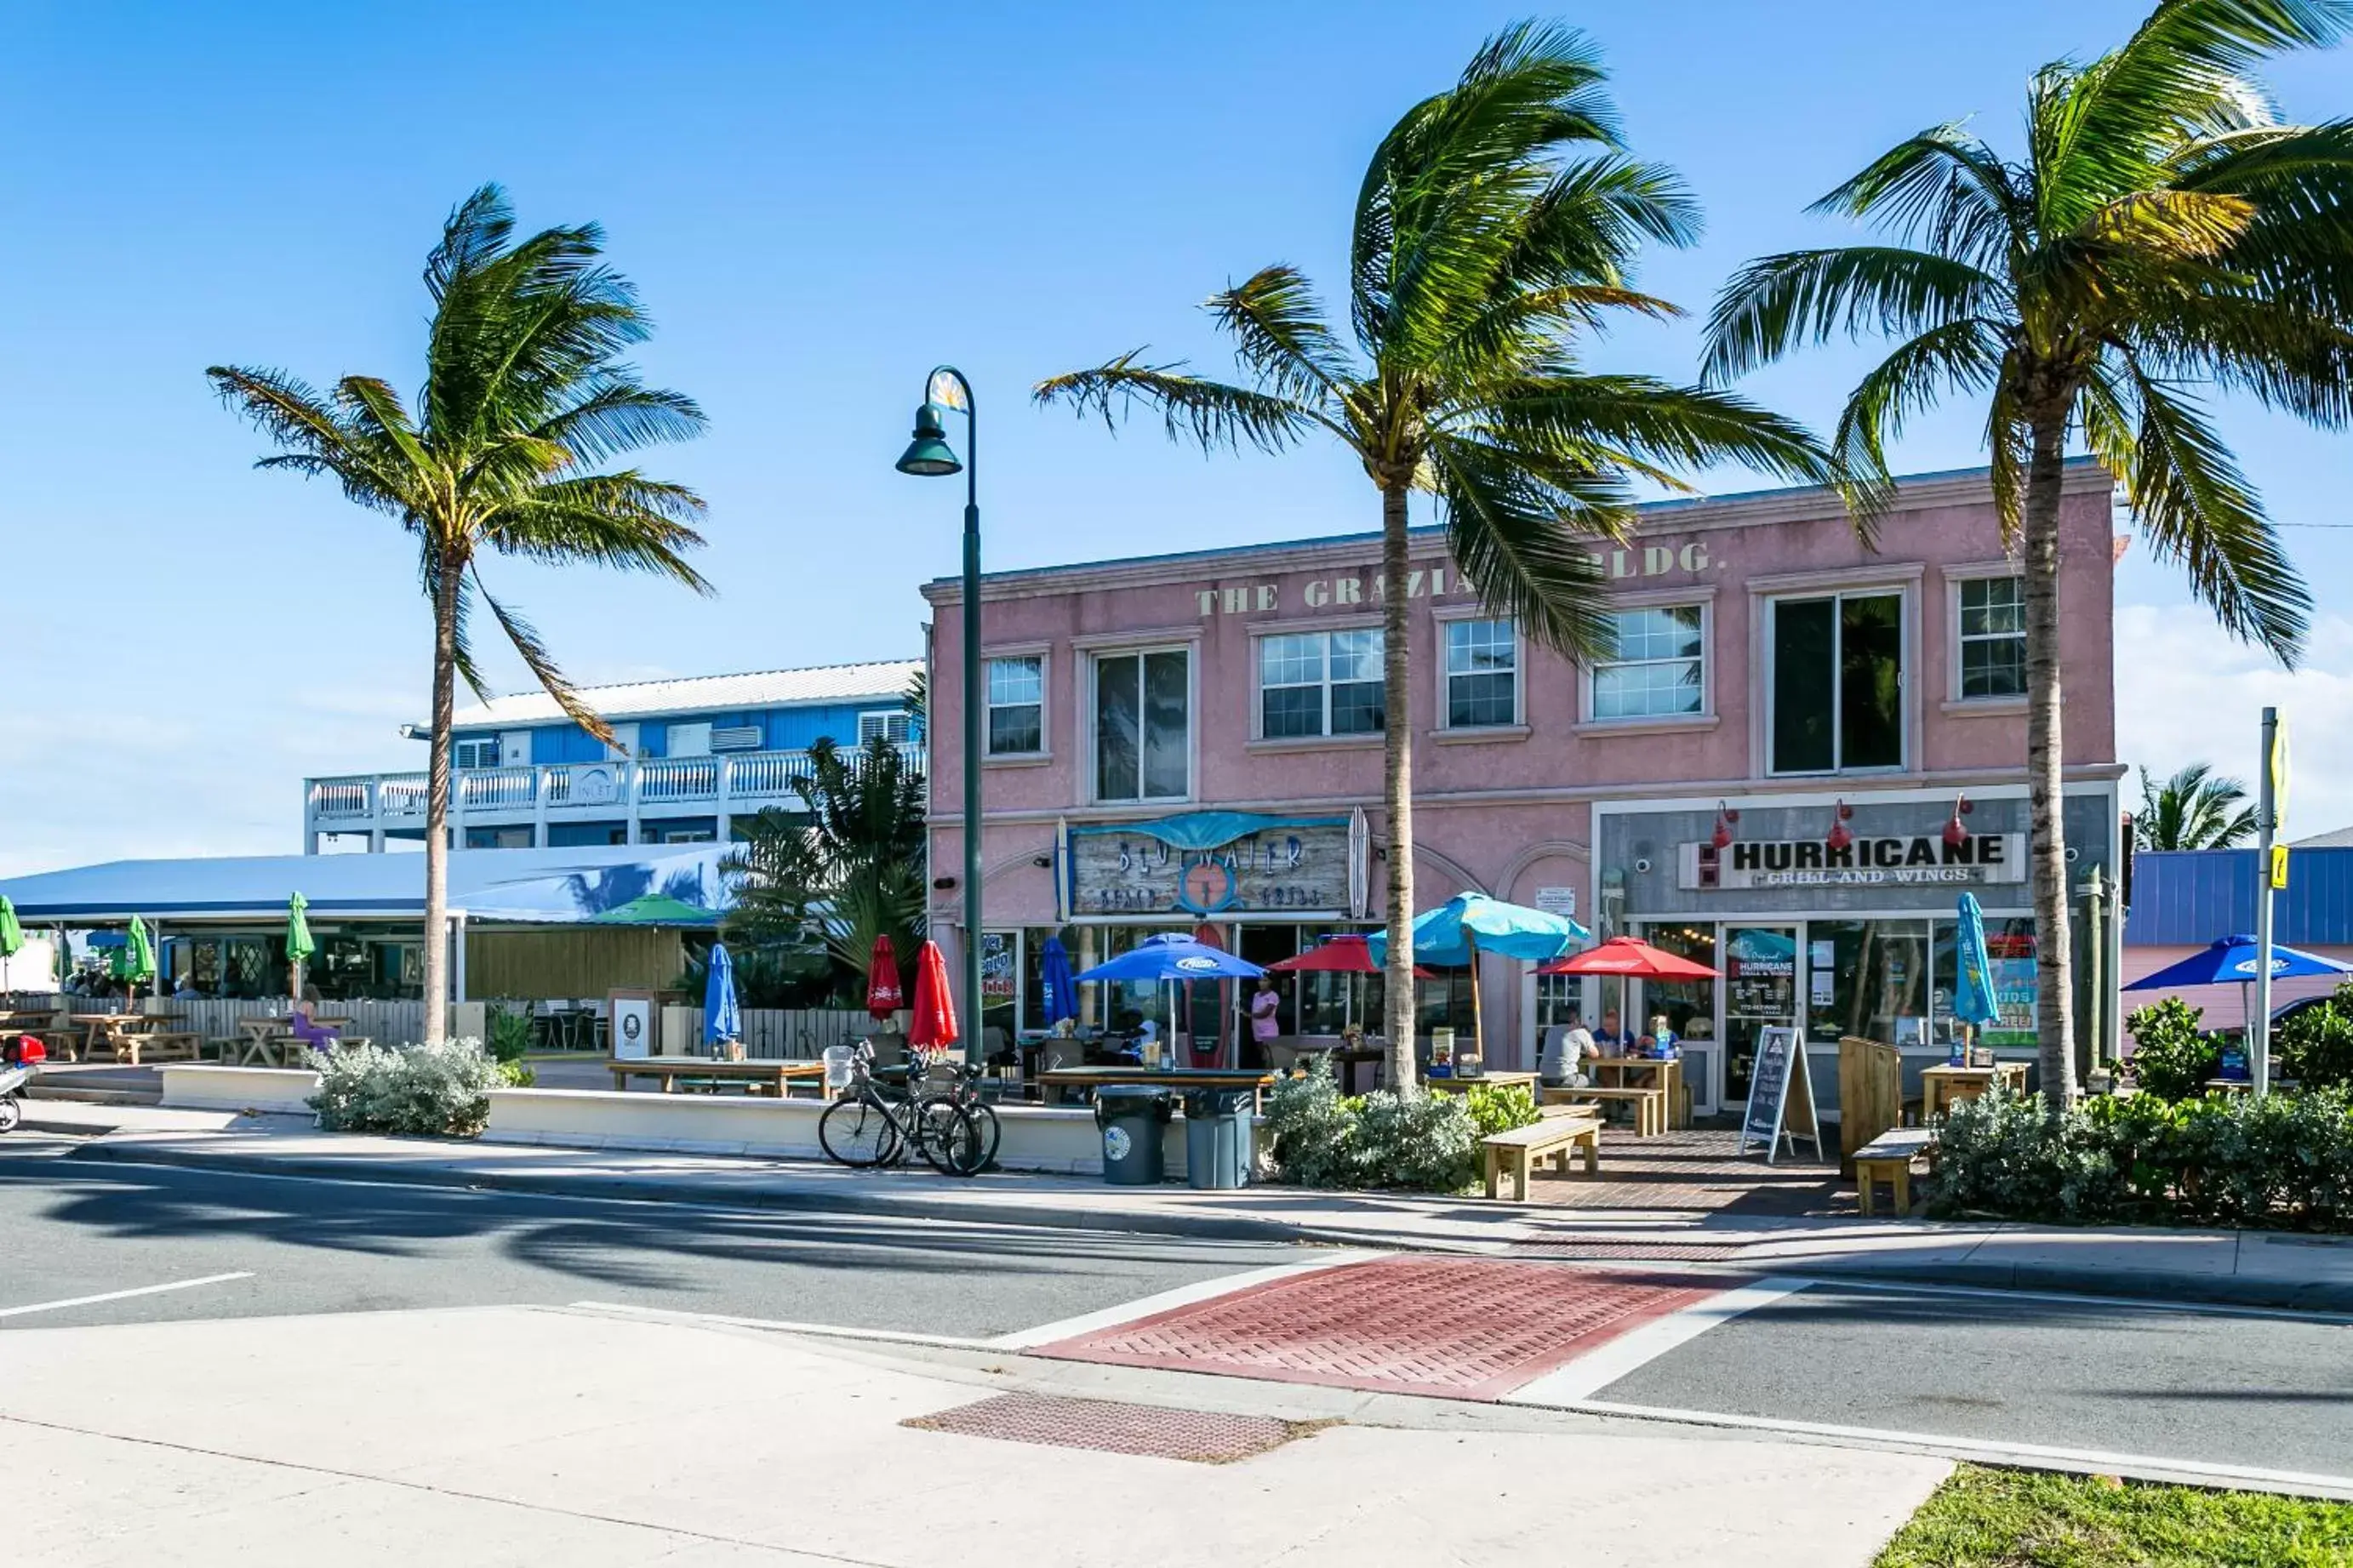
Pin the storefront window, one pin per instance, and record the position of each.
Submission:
(1320, 683)
(1871, 979)
(1658, 666)
(1760, 989)
(1838, 683)
(1142, 726)
(1689, 1004)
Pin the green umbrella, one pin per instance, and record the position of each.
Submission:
(12, 935)
(299, 945)
(655, 910)
(134, 960)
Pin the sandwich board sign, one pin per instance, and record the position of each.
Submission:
(1781, 1094)
(632, 1014)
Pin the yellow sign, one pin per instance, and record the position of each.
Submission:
(2278, 764)
(2279, 866)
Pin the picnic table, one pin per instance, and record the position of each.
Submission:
(1665, 1074)
(1256, 1080)
(1650, 1104)
(1941, 1087)
(771, 1076)
(273, 1042)
(124, 1036)
(1466, 1084)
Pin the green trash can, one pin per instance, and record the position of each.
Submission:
(1218, 1138)
(1131, 1117)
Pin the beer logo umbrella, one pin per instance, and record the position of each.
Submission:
(299, 945)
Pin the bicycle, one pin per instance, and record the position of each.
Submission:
(964, 1088)
(867, 1127)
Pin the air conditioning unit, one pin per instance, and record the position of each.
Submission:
(736, 738)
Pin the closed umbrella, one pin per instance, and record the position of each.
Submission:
(883, 994)
(12, 935)
(134, 960)
(1973, 998)
(1058, 992)
(299, 945)
(934, 1023)
(722, 1019)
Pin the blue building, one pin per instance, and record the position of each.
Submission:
(690, 757)
(2183, 899)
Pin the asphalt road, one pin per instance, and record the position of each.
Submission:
(75, 1228)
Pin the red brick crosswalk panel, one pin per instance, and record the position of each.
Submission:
(1459, 1327)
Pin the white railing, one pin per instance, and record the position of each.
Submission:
(679, 778)
(765, 775)
(401, 794)
(493, 788)
(586, 784)
(341, 797)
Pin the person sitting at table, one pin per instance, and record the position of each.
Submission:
(1660, 1041)
(318, 1036)
(1609, 1036)
(185, 991)
(1567, 1049)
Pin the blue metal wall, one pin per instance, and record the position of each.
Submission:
(2188, 898)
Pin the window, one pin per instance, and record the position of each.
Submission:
(1320, 683)
(689, 739)
(892, 724)
(1017, 706)
(499, 837)
(481, 752)
(1993, 637)
(1657, 668)
(1483, 674)
(1837, 683)
(1143, 708)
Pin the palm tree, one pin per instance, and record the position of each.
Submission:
(847, 868)
(2160, 230)
(522, 397)
(1496, 224)
(2193, 810)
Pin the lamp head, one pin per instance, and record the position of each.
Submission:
(929, 454)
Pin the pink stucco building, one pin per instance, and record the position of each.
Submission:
(1192, 739)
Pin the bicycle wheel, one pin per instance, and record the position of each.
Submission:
(991, 1129)
(950, 1137)
(859, 1133)
(11, 1112)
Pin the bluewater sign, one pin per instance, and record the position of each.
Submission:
(1214, 863)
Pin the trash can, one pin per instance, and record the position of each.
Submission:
(1131, 1117)
(1218, 1138)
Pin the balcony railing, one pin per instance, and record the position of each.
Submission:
(748, 780)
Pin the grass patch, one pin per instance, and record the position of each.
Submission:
(2011, 1519)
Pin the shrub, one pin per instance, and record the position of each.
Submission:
(1427, 1142)
(1499, 1108)
(429, 1091)
(2283, 1161)
(510, 1035)
(2315, 1047)
(2171, 1056)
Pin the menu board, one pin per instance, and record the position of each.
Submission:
(1779, 1085)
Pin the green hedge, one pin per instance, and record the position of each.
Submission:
(1420, 1141)
(2285, 1162)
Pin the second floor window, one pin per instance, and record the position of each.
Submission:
(1993, 637)
(1143, 716)
(892, 724)
(1659, 667)
(1320, 683)
(482, 752)
(1017, 707)
(1837, 683)
(1483, 674)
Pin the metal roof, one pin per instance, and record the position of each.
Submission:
(2336, 838)
(557, 886)
(880, 681)
(2188, 898)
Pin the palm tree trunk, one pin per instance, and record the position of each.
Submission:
(437, 809)
(2054, 1024)
(1397, 784)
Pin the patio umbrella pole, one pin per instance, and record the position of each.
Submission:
(1478, 1032)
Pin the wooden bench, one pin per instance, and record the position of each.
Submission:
(1522, 1147)
(1888, 1158)
(1649, 1103)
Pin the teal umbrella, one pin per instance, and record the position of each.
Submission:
(12, 935)
(1457, 932)
(299, 945)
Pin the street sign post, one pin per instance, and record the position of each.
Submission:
(2271, 875)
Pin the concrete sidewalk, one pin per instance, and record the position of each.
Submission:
(2267, 1269)
(512, 1436)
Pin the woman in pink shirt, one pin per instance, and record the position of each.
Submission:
(1265, 1028)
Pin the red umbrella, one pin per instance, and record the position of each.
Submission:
(1340, 955)
(935, 1022)
(883, 996)
(1626, 955)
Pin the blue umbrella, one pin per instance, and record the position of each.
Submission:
(1973, 1002)
(1470, 923)
(1174, 957)
(722, 1018)
(1061, 993)
(2230, 961)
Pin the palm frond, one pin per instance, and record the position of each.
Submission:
(1960, 356)
(1944, 188)
(2186, 67)
(1279, 329)
(1692, 427)
(543, 669)
(1778, 302)
(624, 520)
(614, 415)
(1211, 414)
(1518, 540)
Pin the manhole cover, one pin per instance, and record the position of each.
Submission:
(1455, 1327)
(1112, 1428)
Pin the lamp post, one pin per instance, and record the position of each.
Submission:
(930, 456)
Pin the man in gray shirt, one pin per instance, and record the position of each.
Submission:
(1562, 1064)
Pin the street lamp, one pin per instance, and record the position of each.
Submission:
(929, 455)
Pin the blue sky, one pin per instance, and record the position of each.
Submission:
(818, 204)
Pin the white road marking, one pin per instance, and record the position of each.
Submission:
(782, 1326)
(1183, 1296)
(1605, 1363)
(123, 1295)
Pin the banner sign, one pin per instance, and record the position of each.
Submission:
(1216, 863)
(1898, 860)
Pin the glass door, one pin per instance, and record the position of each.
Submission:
(1760, 988)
